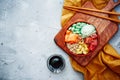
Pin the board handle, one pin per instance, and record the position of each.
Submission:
(116, 3)
(111, 5)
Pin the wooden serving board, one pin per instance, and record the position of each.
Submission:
(105, 29)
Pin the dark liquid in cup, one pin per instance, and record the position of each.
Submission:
(56, 62)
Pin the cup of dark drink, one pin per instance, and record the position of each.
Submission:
(56, 63)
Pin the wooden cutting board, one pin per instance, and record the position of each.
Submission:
(105, 29)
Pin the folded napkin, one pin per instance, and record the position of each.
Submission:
(106, 65)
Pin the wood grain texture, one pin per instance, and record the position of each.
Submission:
(105, 29)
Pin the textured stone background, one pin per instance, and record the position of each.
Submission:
(27, 30)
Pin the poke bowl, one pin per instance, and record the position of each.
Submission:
(81, 38)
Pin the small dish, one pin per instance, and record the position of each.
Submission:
(56, 63)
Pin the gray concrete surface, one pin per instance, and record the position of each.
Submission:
(27, 30)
